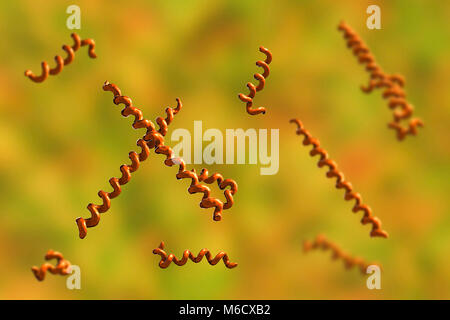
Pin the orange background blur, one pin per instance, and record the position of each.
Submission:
(64, 138)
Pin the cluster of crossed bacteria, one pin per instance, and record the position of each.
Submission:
(153, 139)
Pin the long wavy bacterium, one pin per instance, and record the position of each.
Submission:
(62, 267)
(135, 158)
(60, 62)
(392, 84)
(340, 181)
(261, 78)
(166, 259)
(321, 242)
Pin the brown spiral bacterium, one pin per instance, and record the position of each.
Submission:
(62, 267)
(261, 78)
(60, 62)
(321, 242)
(166, 259)
(195, 186)
(333, 172)
(126, 170)
(155, 140)
(392, 84)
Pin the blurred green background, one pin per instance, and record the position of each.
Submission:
(61, 141)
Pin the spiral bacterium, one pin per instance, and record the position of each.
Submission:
(321, 242)
(166, 259)
(60, 62)
(62, 267)
(261, 78)
(126, 170)
(392, 84)
(333, 172)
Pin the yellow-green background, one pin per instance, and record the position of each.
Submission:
(61, 140)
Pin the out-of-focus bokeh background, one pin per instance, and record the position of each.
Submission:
(61, 141)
